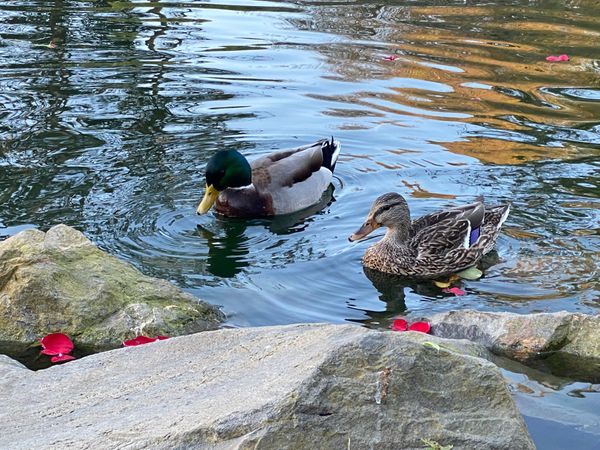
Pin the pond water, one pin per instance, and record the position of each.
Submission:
(109, 111)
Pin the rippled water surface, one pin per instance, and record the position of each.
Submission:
(109, 111)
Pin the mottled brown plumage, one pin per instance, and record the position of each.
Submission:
(434, 245)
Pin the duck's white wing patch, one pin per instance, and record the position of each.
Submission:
(467, 239)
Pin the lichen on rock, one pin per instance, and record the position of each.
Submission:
(59, 281)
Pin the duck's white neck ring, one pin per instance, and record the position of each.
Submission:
(251, 185)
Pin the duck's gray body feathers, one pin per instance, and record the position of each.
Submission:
(283, 182)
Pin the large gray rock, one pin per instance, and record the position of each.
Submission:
(523, 336)
(291, 387)
(60, 282)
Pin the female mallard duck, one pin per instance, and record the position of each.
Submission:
(434, 245)
(279, 183)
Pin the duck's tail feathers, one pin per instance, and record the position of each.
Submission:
(504, 216)
(495, 217)
(331, 151)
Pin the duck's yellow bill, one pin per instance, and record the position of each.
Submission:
(209, 199)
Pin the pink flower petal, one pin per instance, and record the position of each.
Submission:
(399, 325)
(454, 290)
(558, 58)
(423, 327)
(56, 343)
(390, 58)
(139, 340)
(61, 357)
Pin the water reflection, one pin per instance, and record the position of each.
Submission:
(391, 292)
(229, 247)
(227, 250)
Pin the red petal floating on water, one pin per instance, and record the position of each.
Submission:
(454, 290)
(558, 58)
(399, 325)
(423, 327)
(390, 58)
(61, 357)
(56, 343)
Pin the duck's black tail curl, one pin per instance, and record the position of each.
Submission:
(331, 151)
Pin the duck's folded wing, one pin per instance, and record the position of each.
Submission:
(442, 237)
(473, 212)
(287, 167)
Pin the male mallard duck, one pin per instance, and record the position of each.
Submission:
(279, 183)
(434, 245)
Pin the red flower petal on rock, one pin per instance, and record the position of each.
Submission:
(399, 325)
(390, 58)
(61, 357)
(423, 327)
(162, 338)
(56, 343)
(558, 58)
(139, 340)
(454, 290)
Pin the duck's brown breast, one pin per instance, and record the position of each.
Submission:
(245, 202)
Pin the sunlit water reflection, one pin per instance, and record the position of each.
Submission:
(110, 110)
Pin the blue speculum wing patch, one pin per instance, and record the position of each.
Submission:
(474, 235)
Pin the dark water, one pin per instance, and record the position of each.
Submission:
(109, 111)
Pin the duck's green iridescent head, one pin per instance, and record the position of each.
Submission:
(226, 169)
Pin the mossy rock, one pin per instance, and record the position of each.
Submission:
(60, 282)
